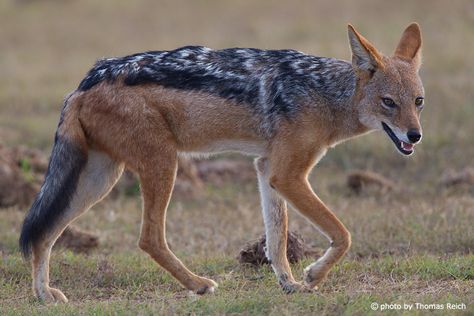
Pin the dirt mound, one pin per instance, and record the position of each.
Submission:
(77, 240)
(254, 252)
(21, 173)
(454, 178)
(359, 181)
(220, 171)
(188, 182)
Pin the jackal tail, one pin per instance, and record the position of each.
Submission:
(68, 158)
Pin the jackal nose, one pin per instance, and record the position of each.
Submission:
(414, 135)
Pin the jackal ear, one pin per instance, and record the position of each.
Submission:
(364, 55)
(409, 47)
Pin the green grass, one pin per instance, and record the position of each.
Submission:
(398, 256)
(127, 283)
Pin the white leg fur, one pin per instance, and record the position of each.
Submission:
(275, 218)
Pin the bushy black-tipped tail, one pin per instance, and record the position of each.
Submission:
(68, 158)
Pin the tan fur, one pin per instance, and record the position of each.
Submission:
(192, 121)
(373, 52)
(145, 127)
(409, 47)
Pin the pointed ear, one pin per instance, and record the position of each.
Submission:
(409, 47)
(364, 55)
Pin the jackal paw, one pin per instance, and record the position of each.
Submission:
(290, 287)
(50, 295)
(313, 276)
(204, 286)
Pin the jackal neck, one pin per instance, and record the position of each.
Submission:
(342, 114)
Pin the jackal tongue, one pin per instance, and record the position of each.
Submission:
(407, 146)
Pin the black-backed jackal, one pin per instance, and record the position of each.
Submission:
(285, 107)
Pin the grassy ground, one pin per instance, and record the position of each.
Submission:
(403, 252)
(411, 245)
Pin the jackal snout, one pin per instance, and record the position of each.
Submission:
(414, 135)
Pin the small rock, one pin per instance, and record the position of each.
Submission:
(360, 180)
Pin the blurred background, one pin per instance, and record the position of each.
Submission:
(404, 207)
(47, 47)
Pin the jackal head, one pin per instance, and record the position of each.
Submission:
(389, 88)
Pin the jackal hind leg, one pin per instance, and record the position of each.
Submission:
(275, 218)
(157, 181)
(96, 180)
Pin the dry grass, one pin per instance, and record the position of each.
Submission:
(403, 252)
(411, 245)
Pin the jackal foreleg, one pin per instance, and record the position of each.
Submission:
(289, 178)
(275, 217)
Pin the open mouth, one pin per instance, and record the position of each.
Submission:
(405, 148)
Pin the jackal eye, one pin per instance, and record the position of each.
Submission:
(388, 102)
(419, 101)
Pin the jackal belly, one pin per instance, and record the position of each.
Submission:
(253, 148)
